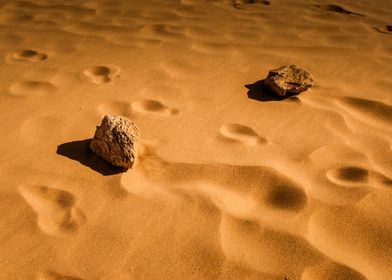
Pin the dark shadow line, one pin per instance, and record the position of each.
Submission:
(258, 91)
(80, 151)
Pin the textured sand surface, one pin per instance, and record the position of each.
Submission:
(230, 183)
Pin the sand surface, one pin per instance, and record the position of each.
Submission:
(230, 183)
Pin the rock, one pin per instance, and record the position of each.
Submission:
(288, 79)
(116, 141)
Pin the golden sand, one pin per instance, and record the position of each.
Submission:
(230, 183)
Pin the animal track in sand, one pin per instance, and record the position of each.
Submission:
(28, 55)
(27, 88)
(49, 275)
(102, 74)
(150, 106)
(56, 209)
(337, 9)
(387, 29)
(240, 133)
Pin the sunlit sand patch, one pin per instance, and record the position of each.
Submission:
(349, 236)
(118, 108)
(373, 112)
(266, 250)
(32, 88)
(331, 271)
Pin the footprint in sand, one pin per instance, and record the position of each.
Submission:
(387, 29)
(266, 250)
(348, 175)
(49, 275)
(102, 74)
(28, 55)
(56, 209)
(337, 9)
(357, 236)
(149, 106)
(351, 176)
(234, 132)
(237, 3)
(246, 191)
(29, 88)
(369, 111)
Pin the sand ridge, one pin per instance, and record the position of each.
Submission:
(230, 182)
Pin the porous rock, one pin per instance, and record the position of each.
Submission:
(116, 141)
(288, 79)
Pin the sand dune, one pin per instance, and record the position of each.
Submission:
(230, 182)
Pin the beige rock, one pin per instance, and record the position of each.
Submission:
(116, 141)
(288, 79)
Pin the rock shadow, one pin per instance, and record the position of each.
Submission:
(258, 91)
(80, 151)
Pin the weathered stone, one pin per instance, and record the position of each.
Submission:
(288, 79)
(116, 141)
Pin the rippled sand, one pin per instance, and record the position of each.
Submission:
(230, 183)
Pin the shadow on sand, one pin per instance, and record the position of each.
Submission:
(80, 151)
(258, 91)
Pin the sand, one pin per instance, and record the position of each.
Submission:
(230, 182)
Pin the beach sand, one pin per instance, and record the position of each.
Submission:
(230, 182)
